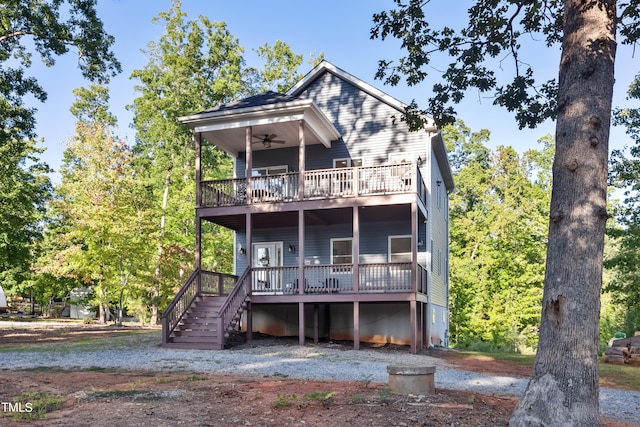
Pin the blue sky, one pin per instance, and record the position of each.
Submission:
(339, 29)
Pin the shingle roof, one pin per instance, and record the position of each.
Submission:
(262, 99)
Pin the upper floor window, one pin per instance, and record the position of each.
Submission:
(270, 170)
(395, 158)
(347, 163)
(399, 248)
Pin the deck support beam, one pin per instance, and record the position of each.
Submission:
(301, 323)
(356, 325)
(316, 335)
(249, 322)
(413, 325)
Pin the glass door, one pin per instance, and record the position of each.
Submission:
(267, 257)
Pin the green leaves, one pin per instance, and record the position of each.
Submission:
(494, 29)
(498, 226)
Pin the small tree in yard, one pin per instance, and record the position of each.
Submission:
(563, 389)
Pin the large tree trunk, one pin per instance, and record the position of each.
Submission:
(563, 389)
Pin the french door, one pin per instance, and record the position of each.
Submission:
(266, 256)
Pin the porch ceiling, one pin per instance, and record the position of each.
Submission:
(314, 217)
(225, 127)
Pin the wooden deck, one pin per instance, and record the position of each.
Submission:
(314, 185)
(193, 320)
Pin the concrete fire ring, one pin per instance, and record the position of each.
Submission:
(407, 380)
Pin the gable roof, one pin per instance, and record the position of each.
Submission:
(261, 100)
(327, 67)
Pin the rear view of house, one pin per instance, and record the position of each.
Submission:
(340, 216)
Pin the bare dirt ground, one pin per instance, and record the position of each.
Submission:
(152, 398)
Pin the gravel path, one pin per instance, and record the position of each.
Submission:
(325, 361)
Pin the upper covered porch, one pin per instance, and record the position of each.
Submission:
(261, 122)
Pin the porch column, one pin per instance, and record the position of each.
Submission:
(413, 325)
(301, 323)
(356, 325)
(198, 138)
(301, 251)
(249, 161)
(301, 159)
(249, 255)
(414, 247)
(356, 249)
(198, 254)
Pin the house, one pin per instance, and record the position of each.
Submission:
(340, 216)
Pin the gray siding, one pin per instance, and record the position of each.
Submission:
(373, 243)
(439, 235)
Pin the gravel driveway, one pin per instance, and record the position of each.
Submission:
(324, 361)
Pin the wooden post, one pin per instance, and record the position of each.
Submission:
(414, 247)
(356, 249)
(412, 321)
(198, 178)
(316, 337)
(301, 323)
(198, 138)
(356, 325)
(248, 160)
(249, 250)
(249, 322)
(198, 254)
(301, 159)
(301, 279)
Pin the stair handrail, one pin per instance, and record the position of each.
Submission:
(176, 310)
(232, 305)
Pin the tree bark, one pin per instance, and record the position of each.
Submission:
(563, 389)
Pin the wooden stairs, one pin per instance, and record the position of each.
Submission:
(199, 327)
(203, 313)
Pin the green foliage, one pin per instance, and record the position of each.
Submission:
(173, 84)
(102, 219)
(495, 30)
(40, 403)
(37, 26)
(324, 397)
(24, 191)
(498, 221)
(284, 401)
(625, 175)
(48, 29)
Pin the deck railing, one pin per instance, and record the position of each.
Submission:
(179, 306)
(318, 184)
(216, 284)
(200, 282)
(337, 278)
(230, 312)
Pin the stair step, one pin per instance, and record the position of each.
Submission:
(194, 334)
(192, 346)
(190, 339)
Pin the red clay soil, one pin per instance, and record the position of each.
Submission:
(146, 398)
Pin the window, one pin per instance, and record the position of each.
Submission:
(342, 253)
(396, 158)
(347, 163)
(270, 170)
(399, 248)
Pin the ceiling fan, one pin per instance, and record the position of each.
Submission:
(267, 140)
